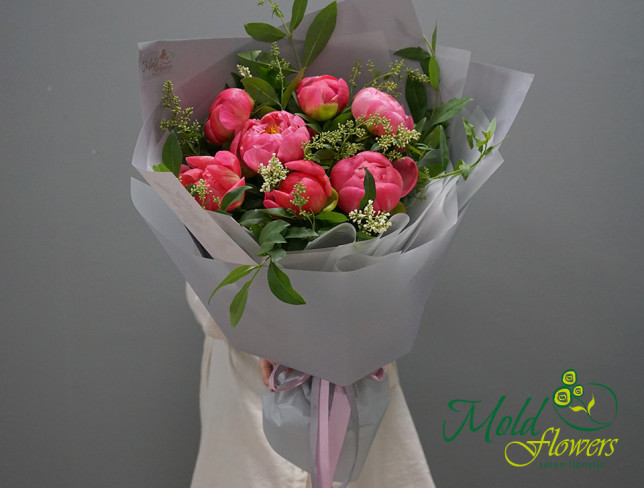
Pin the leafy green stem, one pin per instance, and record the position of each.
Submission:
(415, 149)
(289, 35)
(461, 168)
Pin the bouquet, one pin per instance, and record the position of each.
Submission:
(307, 201)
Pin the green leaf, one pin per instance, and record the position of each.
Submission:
(270, 245)
(420, 125)
(254, 217)
(433, 138)
(433, 45)
(464, 168)
(238, 304)
(578, 409)
(300, 233)
(232, 196)
(160, 168)
(369, 189)
(280, 285)
(414, 54)
(331, 217)
(261, 91)
(171, 153)
(248, 58)
(276, 254)
(334, 123)
(272, 233)
(432, 162)
(469, 132)
(278, 212)
(263, 110)
(236, 274)
(297, 13)
(324, 155)
(319, 32)
(448, 110)
(434, 73)
(296, 244)
(490, 130)
(291, 87)
(251, 61)
(261, 31)
(260, 62)
(444, 149)
(591, 404)
(416, 96)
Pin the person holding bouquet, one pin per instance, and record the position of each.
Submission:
(233, 451)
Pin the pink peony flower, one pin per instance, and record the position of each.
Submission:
(220, 174)
(279, 133)
(322, 97)
(393, 181)
(309, 174)
(230, 110)
(370, 101)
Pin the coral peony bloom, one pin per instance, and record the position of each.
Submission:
(370, 101)
(309, 174)
(322, 97)
(230, 110)
(393, 181)
(279, 133)
(218, 175)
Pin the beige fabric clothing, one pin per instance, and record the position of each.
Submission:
(234, 452)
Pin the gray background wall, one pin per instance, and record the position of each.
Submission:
(99, 355)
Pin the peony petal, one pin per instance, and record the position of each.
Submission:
(349, 197)
(220, 179)
(228, 160)
(409, 172)
(201, 162)
(387, 197)
(189, 176)
(306, 167)
(236, 204)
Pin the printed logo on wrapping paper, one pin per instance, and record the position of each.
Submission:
(155, 64)
(588, 409)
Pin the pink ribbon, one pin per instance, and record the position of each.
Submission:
(329, 424)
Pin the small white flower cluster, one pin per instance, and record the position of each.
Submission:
(201, 190)
(369, 220)
(244, 71)
(273, 173)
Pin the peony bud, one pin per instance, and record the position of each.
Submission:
(370, 101)
(230, 110)
(322, 97)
